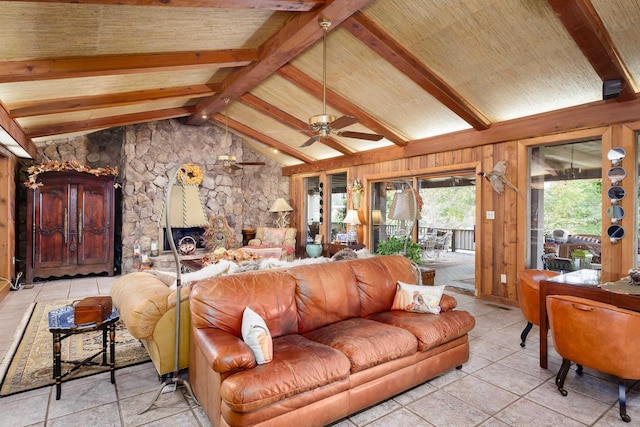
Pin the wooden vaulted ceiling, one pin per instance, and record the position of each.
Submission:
(417, 72)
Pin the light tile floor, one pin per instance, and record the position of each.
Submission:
(501, 385)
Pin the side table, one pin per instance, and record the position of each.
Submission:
(61, 325)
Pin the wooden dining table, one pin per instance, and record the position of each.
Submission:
(584, 284)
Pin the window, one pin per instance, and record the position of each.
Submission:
(313, 190)
(337, 209)
(566, 203)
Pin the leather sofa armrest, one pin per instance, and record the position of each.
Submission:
(447, 303)
(223, 350)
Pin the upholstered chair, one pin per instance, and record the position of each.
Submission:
(528, 285)
(600, 336)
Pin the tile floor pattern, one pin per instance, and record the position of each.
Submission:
(501, 385)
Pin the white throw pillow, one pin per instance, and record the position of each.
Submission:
(257, 336)
(421, 299)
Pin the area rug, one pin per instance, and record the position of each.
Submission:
(31, 366)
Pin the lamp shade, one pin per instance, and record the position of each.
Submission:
(280, 205)
(403, 206)
(186, 209)
(352, 217)
(376, 217)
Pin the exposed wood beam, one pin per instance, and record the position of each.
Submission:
(362, 158)
(397, 55)
(107, 122)
(585, 26)
(103, 65)
(313, 87)
(80, 103)
(289, 120)
(286, 5)
(17, 133)
(252, 133)
(586, 116)
(300, 32)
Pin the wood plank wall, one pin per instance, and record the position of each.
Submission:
(501, 243)
(7, 220)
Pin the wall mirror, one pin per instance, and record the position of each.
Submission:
(616, 174)
(616, 155)
(615, 213)
(616, 193)
(615, 233)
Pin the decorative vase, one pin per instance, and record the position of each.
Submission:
(314, 250)
(356, 200)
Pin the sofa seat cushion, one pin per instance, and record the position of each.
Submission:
(431, 330)
(298, 365)
(366, 343)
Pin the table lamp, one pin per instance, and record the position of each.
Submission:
(353, 221)
(282, 208)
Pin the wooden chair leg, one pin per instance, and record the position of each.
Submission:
(525, 332)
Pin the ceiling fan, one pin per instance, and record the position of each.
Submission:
(325, 123)
(228, 161)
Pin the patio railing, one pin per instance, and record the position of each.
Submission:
(461, 239)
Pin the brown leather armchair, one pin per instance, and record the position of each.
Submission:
(528, 285)
(600, 336)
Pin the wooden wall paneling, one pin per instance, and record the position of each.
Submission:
(523, 208)
(512, 200)
(619, 257)
(7, 221)
(484, 233)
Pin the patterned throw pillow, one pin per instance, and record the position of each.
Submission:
(417, 298)
(257, 336)
(274, 236)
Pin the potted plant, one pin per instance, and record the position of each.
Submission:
(395, 245)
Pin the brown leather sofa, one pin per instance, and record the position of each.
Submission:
(337, 346)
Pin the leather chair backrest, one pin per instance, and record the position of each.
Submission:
(600, 336)
(528, 285)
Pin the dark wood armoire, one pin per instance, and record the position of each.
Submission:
(70, 225)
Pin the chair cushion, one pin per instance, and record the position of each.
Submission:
(273, 236)
(430, 330)
(366, 343)
(292, 355)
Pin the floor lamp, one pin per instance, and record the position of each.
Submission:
(175, 379)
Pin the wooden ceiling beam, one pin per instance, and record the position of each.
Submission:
(314, 88)
(17, 133)
(583, 23)
(284, 5)
(104, 65)
(299, 32)
(291, 121)
(397, 55)
(81, 103)
(252, 133)
(596, 114)
(107, 122)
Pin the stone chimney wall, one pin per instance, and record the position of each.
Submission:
(148, 154)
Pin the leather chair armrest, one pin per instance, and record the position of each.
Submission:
(223, 350)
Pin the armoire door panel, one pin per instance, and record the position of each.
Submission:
(51, 226)
(93, 224)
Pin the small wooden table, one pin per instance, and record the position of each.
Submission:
(583, 284)
(61, 326)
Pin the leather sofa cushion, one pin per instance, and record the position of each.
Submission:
(377, 281)
(431, 330)
(298, 365)
(219, 302)
(325, 294)
(366, 343)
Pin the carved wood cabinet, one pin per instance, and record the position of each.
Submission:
(70, 224)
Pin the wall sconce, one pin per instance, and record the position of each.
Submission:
(282, 208)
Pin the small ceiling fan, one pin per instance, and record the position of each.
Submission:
(228, 161)
(325, 123)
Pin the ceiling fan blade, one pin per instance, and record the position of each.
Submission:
(342, 122)
(361, 135)
(311, 141)
(251, 163)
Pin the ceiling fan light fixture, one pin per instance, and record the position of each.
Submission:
(320, 121)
